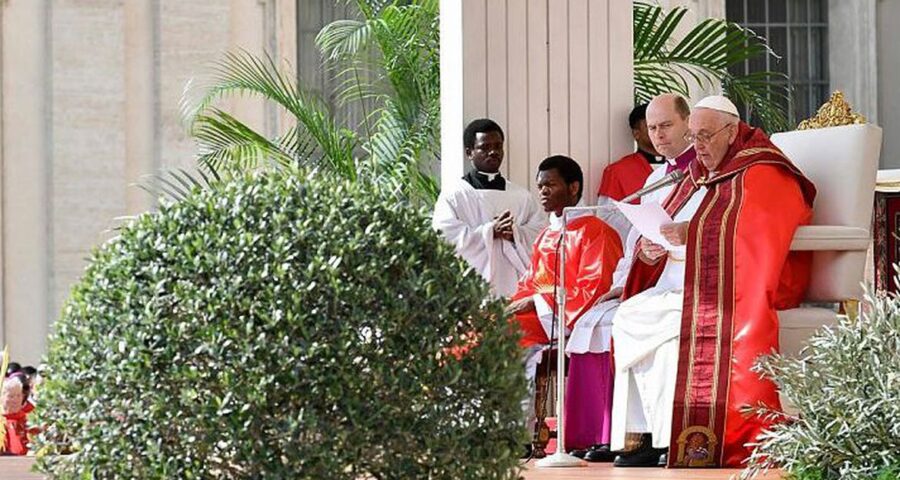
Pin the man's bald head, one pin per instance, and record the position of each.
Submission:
(667, 122)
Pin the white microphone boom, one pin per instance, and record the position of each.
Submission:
(669, 179)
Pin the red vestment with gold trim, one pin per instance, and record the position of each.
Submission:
(738, 272)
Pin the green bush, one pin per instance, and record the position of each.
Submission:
(281, 327)
(846, 385)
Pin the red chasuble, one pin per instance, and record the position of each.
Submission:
(625, 177)
(593, 249)
(738, 272)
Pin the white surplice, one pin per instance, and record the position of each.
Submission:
(646, 329)
(465, 216)
(593, 331)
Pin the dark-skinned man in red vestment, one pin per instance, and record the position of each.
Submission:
(593, 250)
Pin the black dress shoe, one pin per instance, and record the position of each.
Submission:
(644, 457)
(578, 452)
(527, 452)
(599, 453)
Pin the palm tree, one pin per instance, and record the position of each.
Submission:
(387, 63)
(664, 64)
(387, 60)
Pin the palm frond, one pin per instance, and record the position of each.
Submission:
(225, 142)
(663, 64)
(177, 184)
(386, 61)
(243, 74)
(346, 38)
(766, 94)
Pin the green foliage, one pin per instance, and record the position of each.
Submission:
(281, 326)
(663, 64)
(387, 61)
(846, 385)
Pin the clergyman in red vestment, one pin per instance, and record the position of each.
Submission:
(629, 173)
(697, 317)
(593, 250)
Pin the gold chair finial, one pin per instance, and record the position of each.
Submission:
(833, 113)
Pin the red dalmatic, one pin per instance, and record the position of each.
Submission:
(738, 272)
(625, 177)
(593, 249)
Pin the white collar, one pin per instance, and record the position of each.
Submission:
(556, 222)
(490, 176)
(671, 161)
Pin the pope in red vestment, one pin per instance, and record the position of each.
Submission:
(738, 270)
(593, 250)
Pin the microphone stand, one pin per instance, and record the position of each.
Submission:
(561, 458)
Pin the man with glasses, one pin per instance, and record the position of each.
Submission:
(667, 123)
(696, 316)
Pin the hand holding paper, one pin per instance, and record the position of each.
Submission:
(647, 218)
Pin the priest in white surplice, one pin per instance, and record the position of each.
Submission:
(491, 221)
(667, 123)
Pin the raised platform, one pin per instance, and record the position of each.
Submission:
(19, 468)
(601, 471)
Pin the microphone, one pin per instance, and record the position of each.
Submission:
(669, 179)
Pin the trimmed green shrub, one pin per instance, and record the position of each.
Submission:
(846, 385)
(281, 327)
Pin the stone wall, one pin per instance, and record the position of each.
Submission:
(89, 101)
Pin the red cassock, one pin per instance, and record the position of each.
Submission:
(16, 433)
(738, 272)
(593, 249)
(625, 176)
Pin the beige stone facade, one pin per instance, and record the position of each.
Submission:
(90, 95)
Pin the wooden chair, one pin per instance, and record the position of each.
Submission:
(543, 384)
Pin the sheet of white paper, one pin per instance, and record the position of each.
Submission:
(646, 219)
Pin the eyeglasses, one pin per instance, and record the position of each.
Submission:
(701, 137)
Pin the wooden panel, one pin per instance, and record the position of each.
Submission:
(496, 44)
(538, 87)
(579, 93)
(621, 99)
(598, 13)
(558, 38)
(517, 90)
(475, 71)
(541, 68)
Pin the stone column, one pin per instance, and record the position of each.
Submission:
(27, 140)
(889, 77)
(452, 93)
(141, 100)
(248, 32)
(852, 54)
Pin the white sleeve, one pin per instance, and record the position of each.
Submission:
(624, 265)
(544, 313)
(527, 229)
(472, 242)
